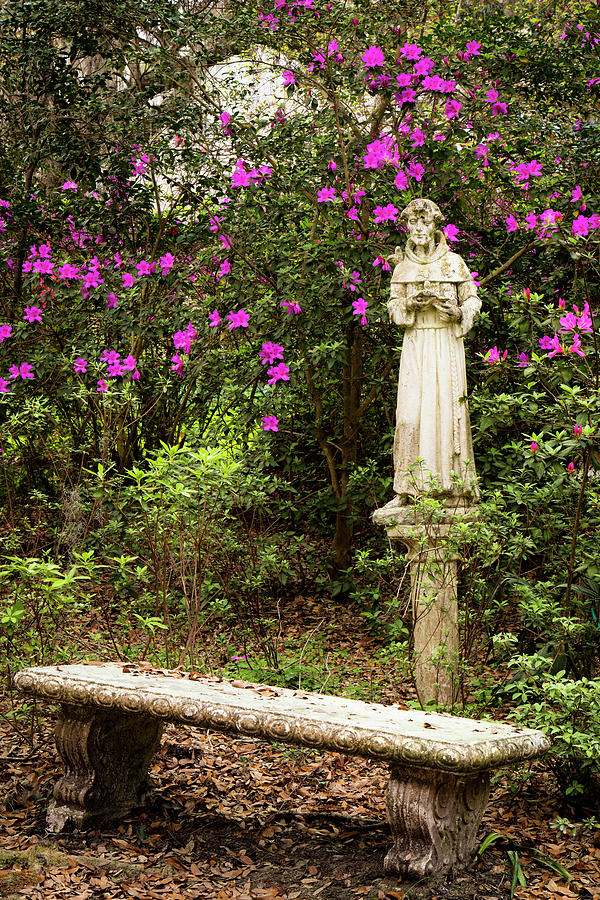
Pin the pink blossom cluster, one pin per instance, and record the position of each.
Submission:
(242, 177)
(574, 323)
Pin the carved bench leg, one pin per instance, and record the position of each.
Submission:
(434, 817)
(106, 756)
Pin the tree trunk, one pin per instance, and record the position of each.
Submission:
(352, 382)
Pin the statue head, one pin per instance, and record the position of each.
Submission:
(422, 217)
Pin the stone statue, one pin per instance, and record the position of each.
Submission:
(434, 299)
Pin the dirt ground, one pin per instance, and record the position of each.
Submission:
(235, 819)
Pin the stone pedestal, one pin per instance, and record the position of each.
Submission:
(105, 754)
(433, 817)
(433, 581)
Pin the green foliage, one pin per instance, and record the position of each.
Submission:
(568, 711)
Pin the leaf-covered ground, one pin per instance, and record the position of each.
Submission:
(234, 819)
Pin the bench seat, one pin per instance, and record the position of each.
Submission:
(111, 721)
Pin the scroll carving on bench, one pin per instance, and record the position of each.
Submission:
(111, 720)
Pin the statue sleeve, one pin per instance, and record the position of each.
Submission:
(470, 305)
(397, 310)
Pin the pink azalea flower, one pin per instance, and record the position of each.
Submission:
(111, 301)
(279, 373)
(43, 266)
(568, 322)
(225, 118)
(418, 138)
(571, 467)
(177, 364)
(534, 447)
(291, 307)
(359, 308)
(240, 177)
(26, 371)
(144, 267)
(576, 194)
(101, 386)
(404, 79)
(408, 95)
(581, 226)
(114, 369)
(68, 272)
(182, 340)
(32, 314)
(13, 372)
(415, 170)
(166, 263)
(491, 96)
(4, 386)
(129, 363)
(80, 365)
(523, 360)
(555, 347)
(511, 223)
(473, 48)
(326, 195)
(214, 223)
(530, 221)
(214, 319)
(493, 356)
(424, 66)
(69, 186)
(238, 319)
(128, 280)
(5, 332)
(577, 430)
(410, 51)
(452, 109)
(401, 181)
(451, 232)
(269, 423)
(269, 352)
(385, 213)
(224, 268)
(373, 57)
(584, 322)
(288, 77)
(576, 346)
(381, 152)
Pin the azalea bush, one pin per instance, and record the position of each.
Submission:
(197, 213)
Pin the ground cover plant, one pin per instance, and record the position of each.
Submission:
(197, 372)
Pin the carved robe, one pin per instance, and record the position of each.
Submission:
(432, 424)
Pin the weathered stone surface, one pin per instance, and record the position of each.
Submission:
(433, 817)
(412, 737)
(105, 756)
(434, 299)
(111, 721)
(434, 594)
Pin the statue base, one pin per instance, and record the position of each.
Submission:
(433, 575)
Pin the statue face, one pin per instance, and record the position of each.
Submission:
(421, 230)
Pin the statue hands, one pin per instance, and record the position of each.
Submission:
(448, 310)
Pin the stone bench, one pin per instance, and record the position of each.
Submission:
(111, 722)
